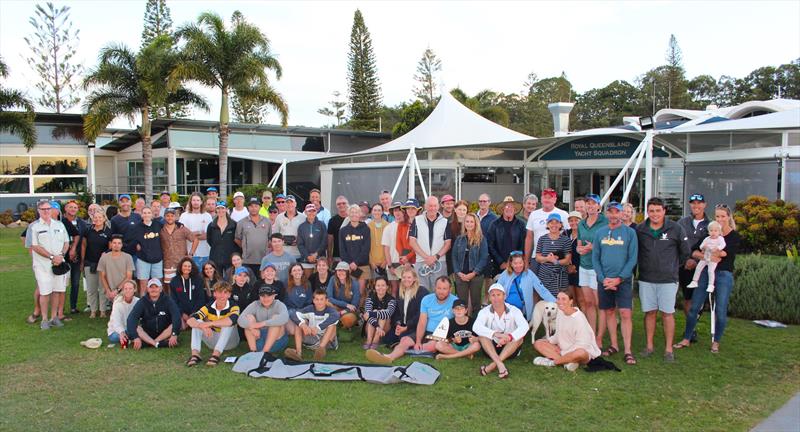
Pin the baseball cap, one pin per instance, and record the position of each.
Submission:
(212, 189)
(280, 196)
(310, 207)
(221, 204)
(411, 202)
(267, 290)
(238, 195)
(549, 191)
(290, 198)
(594, 197)
(697, 197)
(459, 303)
(266, 265)
(174, 205)
(497, 286)
(254, 200)
(155, 282)
(121, 196)
(554, 217)
(614, 205)
(240, 270)
(363, 204)
(447, 198)
(165, 193)
(55, 205)
(342, 266)
(170, 210)
(576, 214)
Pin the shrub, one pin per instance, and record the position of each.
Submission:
(766, 226)
(6, 217)
(28, 215)
(766, 287)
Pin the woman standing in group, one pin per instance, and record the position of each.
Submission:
(554, 254)
(95, 244)
(723, 284)
(322, 277)
(470, 256)
(456, 227)
(220, 234)
(529, 204)
(377, 258)
(520, 283)
(344, 295)
(572, 269)
(210, 276)
(392, 247)
(629, 215)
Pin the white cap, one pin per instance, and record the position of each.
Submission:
(238, 195)
(497, 286)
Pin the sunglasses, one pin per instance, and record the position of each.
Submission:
(721, 206)
(45, 208)
(484, 201)
(280, 202)
(696, 197)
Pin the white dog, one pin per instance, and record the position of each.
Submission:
(544, 313)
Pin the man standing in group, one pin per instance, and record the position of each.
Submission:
(385, 198)
(695, 225)
(334, 225)
(287, 223)
(280, 257)
(323, 214)
(485, 214)
(114, 268)
(580, 206)
(210, 206)
(587, 277)
(76, 229)
(537, 222)
(448, 205)
(174, 237)
(266, 201)
(49, 243)
(614, 257)
(165, 199)
(663, 247)
(506, 234)
(239, 211)
(252, 236)
(430, 239)
(122, 223)
(280, 202)
(213, 192)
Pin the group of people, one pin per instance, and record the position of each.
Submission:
(285, 280)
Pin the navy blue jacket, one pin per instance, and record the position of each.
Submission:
(478, 256)
(189, 294)
(148, 238)
(154, 316)
(499, 246)
(312, 238)
(354, 244)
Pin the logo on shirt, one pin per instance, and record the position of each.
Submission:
(664, 236)
(608, 241)
(353, 237)
(151, 235)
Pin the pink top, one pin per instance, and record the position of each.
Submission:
(710, 245)
(573, 332)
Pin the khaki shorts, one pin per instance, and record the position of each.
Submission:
(366, 272)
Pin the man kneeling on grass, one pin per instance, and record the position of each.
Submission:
(461, 341)
(315, 327)
(263, 322)
(214, 324)
(573, 343)
(501, 328)
(155, 319)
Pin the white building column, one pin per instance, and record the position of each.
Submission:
(326, 187)
(172, 171)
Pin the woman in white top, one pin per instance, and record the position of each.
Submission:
(196, 220)
(573, 343)
(122, 307)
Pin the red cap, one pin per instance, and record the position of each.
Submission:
(550, 192)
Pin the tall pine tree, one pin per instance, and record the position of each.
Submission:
(362, 75)
(427, 67)
(158, 22)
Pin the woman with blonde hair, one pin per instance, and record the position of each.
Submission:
(629, 215)
(470, 257)
(460, 210)
(406, 313)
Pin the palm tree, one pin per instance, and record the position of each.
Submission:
(233, 60)
(127, 84)
(16, 122)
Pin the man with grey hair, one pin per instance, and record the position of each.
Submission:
(334, 225)
(430, 239)
(49, 243)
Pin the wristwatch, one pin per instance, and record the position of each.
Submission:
(437, 256)
(174, 334)
(51, 257)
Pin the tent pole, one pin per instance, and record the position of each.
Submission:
(632, 180)
(648, 170)
(285, 192)
(421, 179)
(621, 174)
(400, 177)
(274, 180)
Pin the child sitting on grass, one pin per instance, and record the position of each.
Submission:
(461, 342)
(316, 328)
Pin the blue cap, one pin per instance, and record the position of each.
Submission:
(267, 264)
(594, 197)
(121, 196)
(411, 202)
(240, 270)
(221, 204)
(55, 205)
(280, 195)
(212, 189)
(555, 217)
(614, 205)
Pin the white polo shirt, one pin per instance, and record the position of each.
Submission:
(537, 222)
(51, 237)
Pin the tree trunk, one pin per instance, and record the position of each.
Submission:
(224, 131)
(147, 156)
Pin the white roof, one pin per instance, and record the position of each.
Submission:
(778, 120)
(451, 124)
(272, 156)
(732, 112)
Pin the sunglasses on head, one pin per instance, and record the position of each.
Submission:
(515, 253)
(696, 197)
(721, 206)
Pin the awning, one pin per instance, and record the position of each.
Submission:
(271, 156)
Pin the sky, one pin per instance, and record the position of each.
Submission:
(482, 45)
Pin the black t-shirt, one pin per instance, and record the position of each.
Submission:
(243, 295)
(149, 238)
(122, 225)
(732, 241)
(463, 331)
(76, 228)
(315, 284)
(334, 225)
(277, 285)
(96, 244)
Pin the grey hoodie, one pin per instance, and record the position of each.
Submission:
(661, 256)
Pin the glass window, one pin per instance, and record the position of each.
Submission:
(136, 175)
(794, 139)
(57, 184)
(15, 165)
(699, 143)
(670, 189)
(14, 185)
(793, 181)
(748, 141)
(58, 165)
(726, 183)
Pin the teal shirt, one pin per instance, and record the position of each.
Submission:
(615, 252)
(585, 233)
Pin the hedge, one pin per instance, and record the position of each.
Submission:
(766, 287)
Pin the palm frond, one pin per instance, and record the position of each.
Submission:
(19, 124)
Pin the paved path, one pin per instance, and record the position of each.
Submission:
(787, 418)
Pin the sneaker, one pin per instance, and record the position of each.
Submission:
(710, 289)
(669, 357)
(646, 353)
(544, 361)
(572, 367)
(319, 354)
(74, 311)
(45, 325)
(87, 309)
(375, 357)
(56, 322)
(291, 354)
(692, 284)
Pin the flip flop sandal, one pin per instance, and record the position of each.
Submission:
(681, 345)
(610, 351)
(483, 371)
(32, 318)
(193, 360)
(630, 360)
(503, 374)
(212, 361)
(715, 349)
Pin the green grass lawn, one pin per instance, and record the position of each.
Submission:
(49, 382)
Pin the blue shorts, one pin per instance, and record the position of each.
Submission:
(658, 296)
(621, 298)
(146, 271)
(277, 347)
(459, 347)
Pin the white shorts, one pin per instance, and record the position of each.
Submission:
(49, 282)
(586, 278)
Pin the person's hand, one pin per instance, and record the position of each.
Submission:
(110, 295)
(353, 266)
(473, 339)
(138, 247)
(123, 338)
(571, 269)
(462, 276)
(351, 308)
(311, 258)
(379, 332)
(72, 255)
(690, 264)
(207, 331)
(504, 266)
(173, 341)
(552, 258)
(58, 259)
(417, 346)
(430, 260)
(398, 330)
(137, 344)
